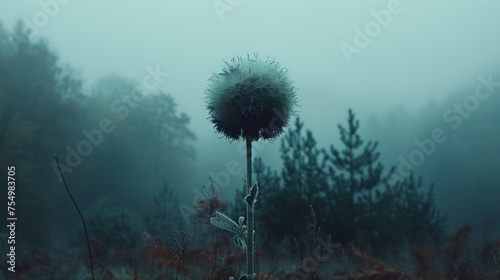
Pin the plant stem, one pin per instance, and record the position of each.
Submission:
(250, 209)
(81, 217)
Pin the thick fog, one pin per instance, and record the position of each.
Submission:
(401, 66)
(426, 51)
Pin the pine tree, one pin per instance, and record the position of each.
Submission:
(354, 174)
(352, 195)
(302, 182)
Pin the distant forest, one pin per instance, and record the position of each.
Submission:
(464, 166)
(116, 140)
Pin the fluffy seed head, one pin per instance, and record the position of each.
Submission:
(251, 97)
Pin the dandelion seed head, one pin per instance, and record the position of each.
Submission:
(251, 98)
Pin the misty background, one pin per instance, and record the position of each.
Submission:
(427, 58)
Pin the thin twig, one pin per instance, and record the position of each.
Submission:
(179, 250)
(81, 216)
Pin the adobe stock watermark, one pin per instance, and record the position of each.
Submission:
(217, 180)
(496, 256)
(48, 9)
(454, 117)
(221, 179)
(122, 274)
(122, 106)
(362, 37)
(223, 6)
(321, 254)
(16, 40)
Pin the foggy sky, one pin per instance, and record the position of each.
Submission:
(429, 49)
(426, 51)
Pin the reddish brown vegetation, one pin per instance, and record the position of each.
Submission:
(457, 260)
(380, 273)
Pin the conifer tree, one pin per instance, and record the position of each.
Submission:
(302, 183)
(354, 173)
(352, 196)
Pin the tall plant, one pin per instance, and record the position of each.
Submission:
(250, 99)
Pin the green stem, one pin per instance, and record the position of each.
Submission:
(250, 211)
